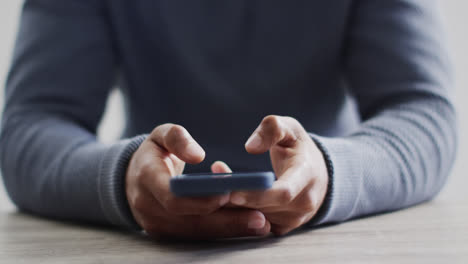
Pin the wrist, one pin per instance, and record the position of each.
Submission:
(326, 172)
(111, 182)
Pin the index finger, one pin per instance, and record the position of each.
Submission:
(177, 140)
(274, 130)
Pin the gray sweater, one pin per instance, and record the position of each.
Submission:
(368, 79)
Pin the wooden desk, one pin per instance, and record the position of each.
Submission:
(435, 232)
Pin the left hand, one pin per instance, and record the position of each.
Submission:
(301, 172)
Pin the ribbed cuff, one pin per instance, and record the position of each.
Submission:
(111, 183)
(342, 157)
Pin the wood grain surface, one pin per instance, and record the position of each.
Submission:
(435, 232)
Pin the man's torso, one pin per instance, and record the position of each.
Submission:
(218, 68)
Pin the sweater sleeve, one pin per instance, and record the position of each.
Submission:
(398, 72)
(63, 67)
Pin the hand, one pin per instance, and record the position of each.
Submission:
(301, 172)
(163, 155)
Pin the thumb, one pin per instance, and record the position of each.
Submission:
(220, 167)
(274, 130)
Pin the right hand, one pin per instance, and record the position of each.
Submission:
(163, 155)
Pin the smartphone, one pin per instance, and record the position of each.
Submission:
(207, 184)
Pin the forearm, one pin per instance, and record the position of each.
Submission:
(400, 157)
(53, 167)
(51, 162)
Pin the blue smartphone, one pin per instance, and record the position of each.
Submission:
(207, 184)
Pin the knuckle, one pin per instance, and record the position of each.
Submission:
(139, 203)
(271, 126)
(177, 137)
(308, 207)
(157, 130)
(292, 120)
(176, 131)
(286, 195)
(311, 203)
(271, 122)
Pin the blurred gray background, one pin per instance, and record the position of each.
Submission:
(455, 19)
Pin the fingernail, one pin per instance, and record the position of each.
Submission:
(254, 141)
(194, 149)
(238, 200)
(256, 223)
(224, 200)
